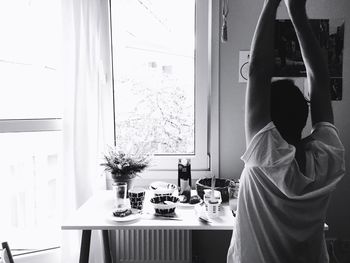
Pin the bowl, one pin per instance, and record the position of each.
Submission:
(162, 188)
(221, 185)
(164, 204)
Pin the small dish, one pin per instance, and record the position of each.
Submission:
(131, 217)
(160, 188)
(188, 204)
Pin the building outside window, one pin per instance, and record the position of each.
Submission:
(162, 83)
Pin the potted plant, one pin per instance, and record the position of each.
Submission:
(124, 167)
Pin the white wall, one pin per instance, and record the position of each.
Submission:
(242, 21)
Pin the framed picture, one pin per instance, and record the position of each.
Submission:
(288, 59)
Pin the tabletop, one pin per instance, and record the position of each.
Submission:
(96, 214)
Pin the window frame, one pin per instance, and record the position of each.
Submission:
(30, 125)
(206, 158)
(45, 121)
(34, 125)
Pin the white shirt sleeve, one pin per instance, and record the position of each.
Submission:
(269, 153)
(327, 134)
(326, 155)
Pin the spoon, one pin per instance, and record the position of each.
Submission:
(204, 219)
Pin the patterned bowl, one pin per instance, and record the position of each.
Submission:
(164, 204)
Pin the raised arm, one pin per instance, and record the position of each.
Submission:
(315, 63)
(257, 106)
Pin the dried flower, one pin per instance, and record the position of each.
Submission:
(124, 165)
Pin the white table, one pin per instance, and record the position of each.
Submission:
(93, 215)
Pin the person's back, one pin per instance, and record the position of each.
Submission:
(281, 211)
(286, 182)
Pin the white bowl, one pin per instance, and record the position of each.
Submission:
(162, 188)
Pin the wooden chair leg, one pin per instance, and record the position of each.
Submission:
(85, 246)
(107, 250)
(6, 246)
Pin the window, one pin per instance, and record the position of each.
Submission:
(30, 124)
(163, 79)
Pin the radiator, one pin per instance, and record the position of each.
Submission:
(151, 246)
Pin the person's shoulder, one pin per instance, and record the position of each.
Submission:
(327, 134)
(323, 125)
(268, 148)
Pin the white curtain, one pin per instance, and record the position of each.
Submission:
(88, 115)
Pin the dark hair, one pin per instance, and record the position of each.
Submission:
(289, 108)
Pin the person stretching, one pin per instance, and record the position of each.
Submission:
(287, 180)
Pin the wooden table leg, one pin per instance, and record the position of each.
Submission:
(85, 246)
(107, 250)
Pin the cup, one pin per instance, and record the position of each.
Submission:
(137, 197)
(212, 208)
(120, 191)
(233, 194)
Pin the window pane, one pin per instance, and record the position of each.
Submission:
(29, 189)
(153, 59)
(29, 55)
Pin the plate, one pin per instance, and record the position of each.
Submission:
(180, 204)
(131, 217)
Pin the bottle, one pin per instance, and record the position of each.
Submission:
(184, 179)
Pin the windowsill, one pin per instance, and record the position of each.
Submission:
(146, 178)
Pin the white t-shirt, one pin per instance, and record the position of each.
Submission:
(281, 211)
